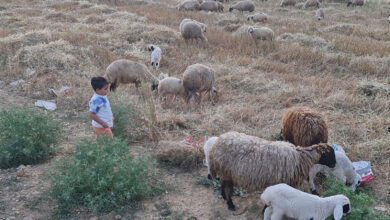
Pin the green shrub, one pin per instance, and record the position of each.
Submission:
(101, 176)
(361, 202)
(26, 137)
(127, 122)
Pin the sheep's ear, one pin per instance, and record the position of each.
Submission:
(338, 212)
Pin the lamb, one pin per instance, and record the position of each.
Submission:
(312, 3)
(186, 20)
(198, 78)
(192, 30)
(211, 6)
(254, 163)
(343, 170)
(156, 55)
(355, 3)
(288, 3)
(282, 199)
(258, 17)
(206, 148)
(262, 33)
(320, 14)
(171, 86)
(189, 5)
(243, 6)
(304, 126)
(127, 71)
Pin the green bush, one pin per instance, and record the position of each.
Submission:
(101, 176)
(26, 137)
(361, 202)
(127, 122)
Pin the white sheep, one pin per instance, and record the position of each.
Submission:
(206, 148)
(189, 5)
(192, 30)
(283, 200)
(344, 171)
(320, 14)
(288, 3)
(162, 76)
(171, 86)
(186, 20)
(312, 3)
(155, 56)
(211, 6)
(262, 33)
(258, 17)
(243, 6)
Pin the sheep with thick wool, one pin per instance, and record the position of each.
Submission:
(191, 30)
(312, 3)
(254, 163)
(189, 5)
(127, 71)
(355, 3)
(262, 33)
(343, 171)
(211, 6)
(320, 14)
(288, 3)
(303, 126)
(243, 6)
(283, 200)
(206, 148)
(258, 17)
(198, 78)
(171, 86)
(186, 20)
(155, 56)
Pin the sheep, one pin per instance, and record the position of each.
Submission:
(198, 78)
(344, 170)
(283, 200)
(304, 126)
(127, 71)
(211, 6)
(288, 3)
(162, 76)
(312, 3)
(262, 33)
(258, 17)
(206, 148)
(156, 55)
(355, 3)
(192, 30)
(320, 14)
(243, 6)
(189, 5)
(221, 0)
(186, 20)
(171, 86)
(254, 163)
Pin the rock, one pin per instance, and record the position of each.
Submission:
(379, 208)
(94, 218)
(165, 212)
(117, 217)
(17, 82)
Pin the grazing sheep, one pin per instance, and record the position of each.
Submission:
(320, 14)
(211, 6)
(355, 3)
(199, 78)
(192, 30)
(288, 3)
(304, 126)
(344, 171)
(186, 20)
(282, 199)
(312, 3)
(156, 55)
(262, 33)
(162, 76)
(189, 5)
(221, 0)
(243, 6)
(171, 86)
(127, 71)
(258, 17)
(254, 163)
(206, 148)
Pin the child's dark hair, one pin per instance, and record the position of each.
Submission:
(98, 82)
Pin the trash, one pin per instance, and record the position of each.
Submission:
(29, 72)
(64, 91)
(363, 168)
(338, 148)
(45, 104)
(379, 208)
(197, 144)
(17, 82)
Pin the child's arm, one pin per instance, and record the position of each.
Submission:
(98, 120)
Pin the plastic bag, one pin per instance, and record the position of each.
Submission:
(363, 168)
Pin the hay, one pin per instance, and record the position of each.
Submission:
(179, 155)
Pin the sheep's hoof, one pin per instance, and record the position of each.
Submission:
(232, 208)
(209, 177)
(314, 192)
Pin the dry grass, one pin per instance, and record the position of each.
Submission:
(330, 65)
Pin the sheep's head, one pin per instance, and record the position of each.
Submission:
(151, 47)
(250, 29)
(328, 157)
(349, 3)
(154, 86)
(230, 9)
(204, 27)
(250, 17)
(342, 208)
(214, 95)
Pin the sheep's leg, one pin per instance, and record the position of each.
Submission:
(227, 191)
(267, 212)
(276, 215)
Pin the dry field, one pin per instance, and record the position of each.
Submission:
(339, 66)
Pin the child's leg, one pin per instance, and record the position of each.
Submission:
(103, 131)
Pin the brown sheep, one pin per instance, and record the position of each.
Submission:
(303, 126)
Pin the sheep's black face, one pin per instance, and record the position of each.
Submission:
(328, 157)
(230, 9)
(346, 209)
(154, 86)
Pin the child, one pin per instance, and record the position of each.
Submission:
(99, 107)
